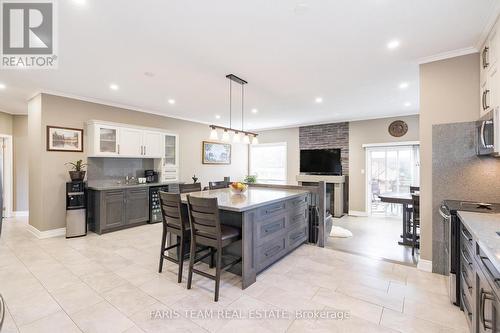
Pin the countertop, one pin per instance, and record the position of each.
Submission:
(484, 229)
(252, 198)
(104, 185)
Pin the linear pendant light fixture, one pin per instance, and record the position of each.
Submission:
(238, 135)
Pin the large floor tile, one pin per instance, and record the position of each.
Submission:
(76, 297)
(32, 307)
(101, 318)
(103, 281)
(128, 299)
(57, 322)
(409, 324)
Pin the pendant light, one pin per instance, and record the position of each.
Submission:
(238, 135)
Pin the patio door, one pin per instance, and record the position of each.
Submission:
(390, 169)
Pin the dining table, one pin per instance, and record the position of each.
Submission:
(405, 199)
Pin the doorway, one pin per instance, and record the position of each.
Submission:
(6, 174)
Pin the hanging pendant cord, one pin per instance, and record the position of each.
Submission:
(242, 104)
(230, 98)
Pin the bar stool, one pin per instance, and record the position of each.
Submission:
(207, 230)
(175, 221)
(186, 188)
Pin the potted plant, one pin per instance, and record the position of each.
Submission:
(78, 172)
(251, 179)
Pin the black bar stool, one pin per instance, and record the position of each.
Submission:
(207, 230)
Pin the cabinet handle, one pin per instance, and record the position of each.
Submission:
(468, 237)
(465, 280)
(486, 106)
(272, 228)
(118, 148)
(483, 297)
(465, 258)
(485, 58)
(482, 101)
(144, 150)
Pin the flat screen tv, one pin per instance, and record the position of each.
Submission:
(320, 161)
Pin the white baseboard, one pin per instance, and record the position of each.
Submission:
(46, 234)
(20, 213)
(357, 213)
(425, 265)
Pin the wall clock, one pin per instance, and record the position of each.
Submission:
(398, 128)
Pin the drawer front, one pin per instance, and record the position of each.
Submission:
(271, 210)
(467, 280)
(466, 260)
(270, 252)
(296, 237)
(268, 229)
(466, 238)
(296, 203)
(467, 307)
(297, 218)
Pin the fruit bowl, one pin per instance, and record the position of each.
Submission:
(238, 188)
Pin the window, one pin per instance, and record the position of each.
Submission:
(268, 162)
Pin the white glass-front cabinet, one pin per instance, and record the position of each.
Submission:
(105, 141)
(109, 140)
(170, 160)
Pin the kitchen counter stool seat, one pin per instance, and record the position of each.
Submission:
(207, 230)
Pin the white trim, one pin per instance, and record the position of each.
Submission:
(46, 234)
(357, 213)
(490, 22)
(113, 104)
(448, 55)
(8, 183)
(425, 265)
(391, 144)
(20, 213)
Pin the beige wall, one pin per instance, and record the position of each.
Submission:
(449, 93)
(59, 111)
(5, 123)
(291, 137)
(36, 165)
(21, 162)
(365, 132)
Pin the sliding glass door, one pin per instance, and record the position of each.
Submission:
(390, 169)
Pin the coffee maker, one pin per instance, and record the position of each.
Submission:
(151, 176)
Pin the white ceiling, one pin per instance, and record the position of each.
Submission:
(290, 52)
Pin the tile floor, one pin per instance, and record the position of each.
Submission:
(374, 236)
(110, 284)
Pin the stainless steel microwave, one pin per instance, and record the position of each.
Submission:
(488, 133)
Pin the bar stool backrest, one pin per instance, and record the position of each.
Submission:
(204, 221)
(186, 188)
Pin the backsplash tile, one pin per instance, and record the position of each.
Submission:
(108, 169)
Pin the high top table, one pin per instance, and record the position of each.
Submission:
(273, 222)
(405, 199)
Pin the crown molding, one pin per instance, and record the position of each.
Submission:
(490, 22)
(112, 104)
(448, 55)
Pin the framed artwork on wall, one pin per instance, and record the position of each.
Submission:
(216, 153)
(64, 139)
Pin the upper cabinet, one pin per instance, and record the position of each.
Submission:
(489, 78)
(110, 140)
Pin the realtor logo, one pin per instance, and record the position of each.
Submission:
(28, 39)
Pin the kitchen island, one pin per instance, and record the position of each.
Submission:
(273, 222)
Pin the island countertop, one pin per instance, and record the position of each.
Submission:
(254, 197)
(484, 229)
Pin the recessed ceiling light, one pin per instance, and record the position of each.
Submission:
(80, 2)
(171, 101)
(2, 86)
(403, 85)
(114, 86)
(393, 44)
(217, 116)
(255, 111)
(407, 104)
(319, 100)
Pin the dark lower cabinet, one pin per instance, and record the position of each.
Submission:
(480, 286)
(117, 209)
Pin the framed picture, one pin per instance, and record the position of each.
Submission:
(64, 139)
(216, 153)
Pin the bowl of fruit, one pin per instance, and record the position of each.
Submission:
(238, 188)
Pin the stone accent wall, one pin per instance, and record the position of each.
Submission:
(327, 136)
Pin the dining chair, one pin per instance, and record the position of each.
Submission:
(207, 230)
(176, 222)
(415, 221)
(186, 188)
